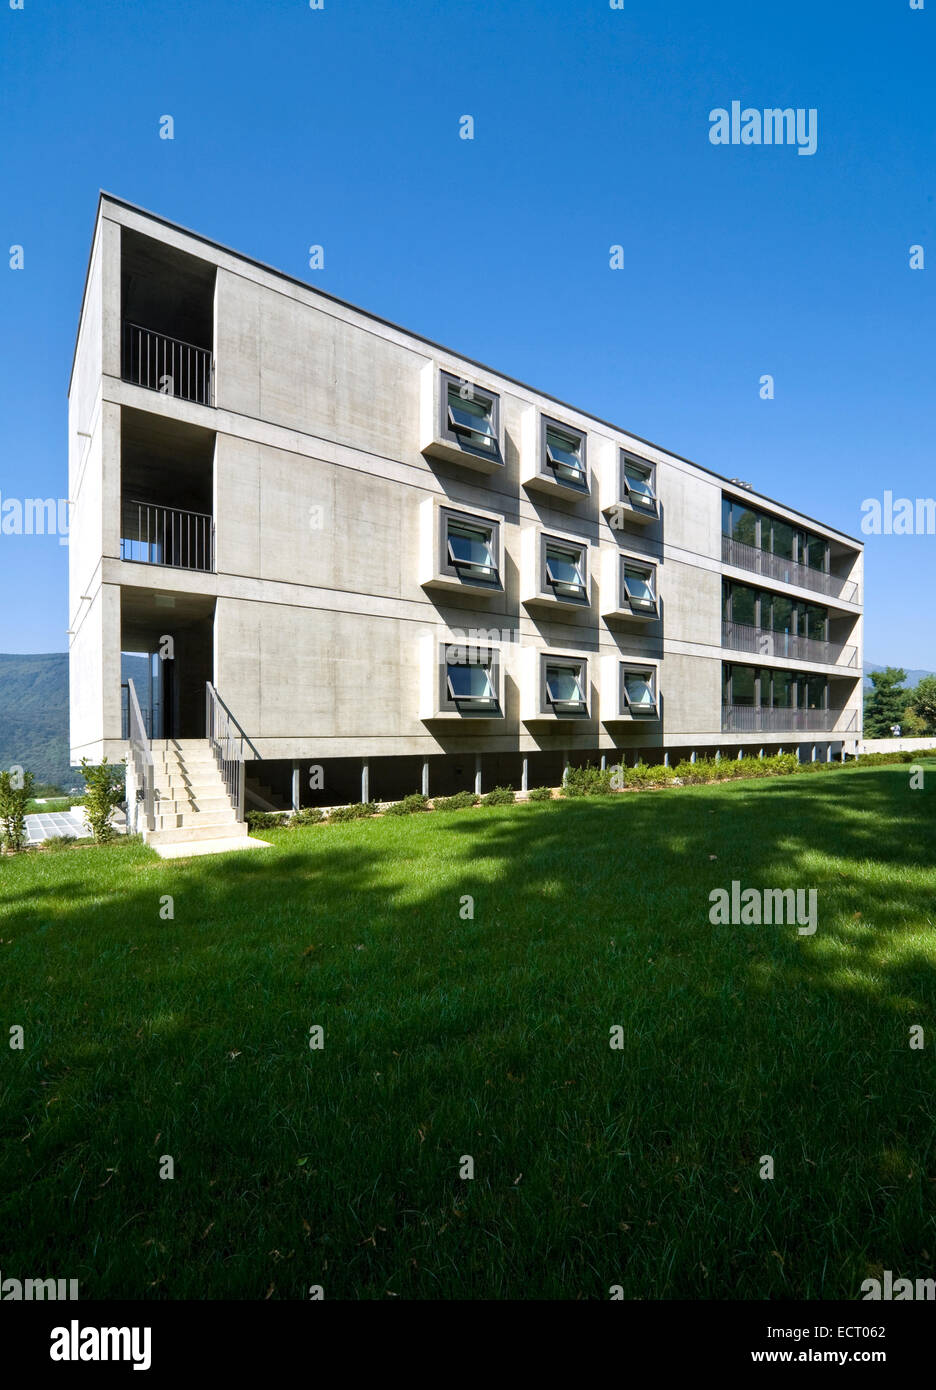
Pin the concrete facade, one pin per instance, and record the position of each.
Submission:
(323, 447)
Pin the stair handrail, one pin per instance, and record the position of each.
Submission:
(228, 743)
(141, 757)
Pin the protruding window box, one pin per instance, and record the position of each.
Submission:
(554, 687)
(553, 456)
(460, 679)
(629, 691)
(554, 569)
(629, 588)
(629, 493)
(461, 549)
(460, 421)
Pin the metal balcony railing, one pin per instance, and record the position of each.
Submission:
(743, 719)
(741, 637)
(153, 535)
(166, 364)
(749, 557)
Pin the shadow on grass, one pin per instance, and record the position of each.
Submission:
(483, 1033)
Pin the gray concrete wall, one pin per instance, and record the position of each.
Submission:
(319, 479)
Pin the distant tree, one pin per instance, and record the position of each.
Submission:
(885, 703)
(922, 704)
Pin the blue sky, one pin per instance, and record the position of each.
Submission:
(340, 127)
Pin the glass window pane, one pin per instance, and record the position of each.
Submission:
(816, 622)
(562, 683)
(817, 551)
(563, 566)
(563, 449)
(742, 685)
(639, 688)
(470, 546)
(815, 692)
(743, 524)
(639, 584)
(783, 540)
(638, 483)
(470, 682)
(781, 613)
(784, 685)
(744, 605)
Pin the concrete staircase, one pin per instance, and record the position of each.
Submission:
(192, 804)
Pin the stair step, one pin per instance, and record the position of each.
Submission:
(183, 820)
(167, 806)
(236, 830)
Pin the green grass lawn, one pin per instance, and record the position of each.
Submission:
(488, 1037)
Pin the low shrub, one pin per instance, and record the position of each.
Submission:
(410, 804)
(540, 794)
(15, 792)
(587, 781)
(308, 815)
(459, 802)
(359, 811)
(645, 775)
(105, 792)
(499, 796)
(266, 820)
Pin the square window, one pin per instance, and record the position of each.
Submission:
(471, 550)
(639, 691)
(638, 583)
(565, 455)
(565, 687)
(566, 570)
(637, 478)
(471, 418)
(471, 679)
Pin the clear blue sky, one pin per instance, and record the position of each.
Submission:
(340, 127)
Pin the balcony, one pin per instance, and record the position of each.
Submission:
(745, 719)
(749, 557)
(740, 637)
(154, 535)
(167, 365)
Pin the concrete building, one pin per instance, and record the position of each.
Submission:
(359, 564)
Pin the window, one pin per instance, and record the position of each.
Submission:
(471, 550)
(565, 687)
(470, 417)
(816, 553)
(638, 481)
(742, 605)
(639, 691)
(471, 679)
(740, 523)
(742, 685)
(637, 582)
(566, 572)
(817, 623)
(816, 692)
(565, 455)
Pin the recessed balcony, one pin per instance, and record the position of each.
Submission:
(154, 535)
(740, 637)
(745, 719)
(750, 557)
(167, 365)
